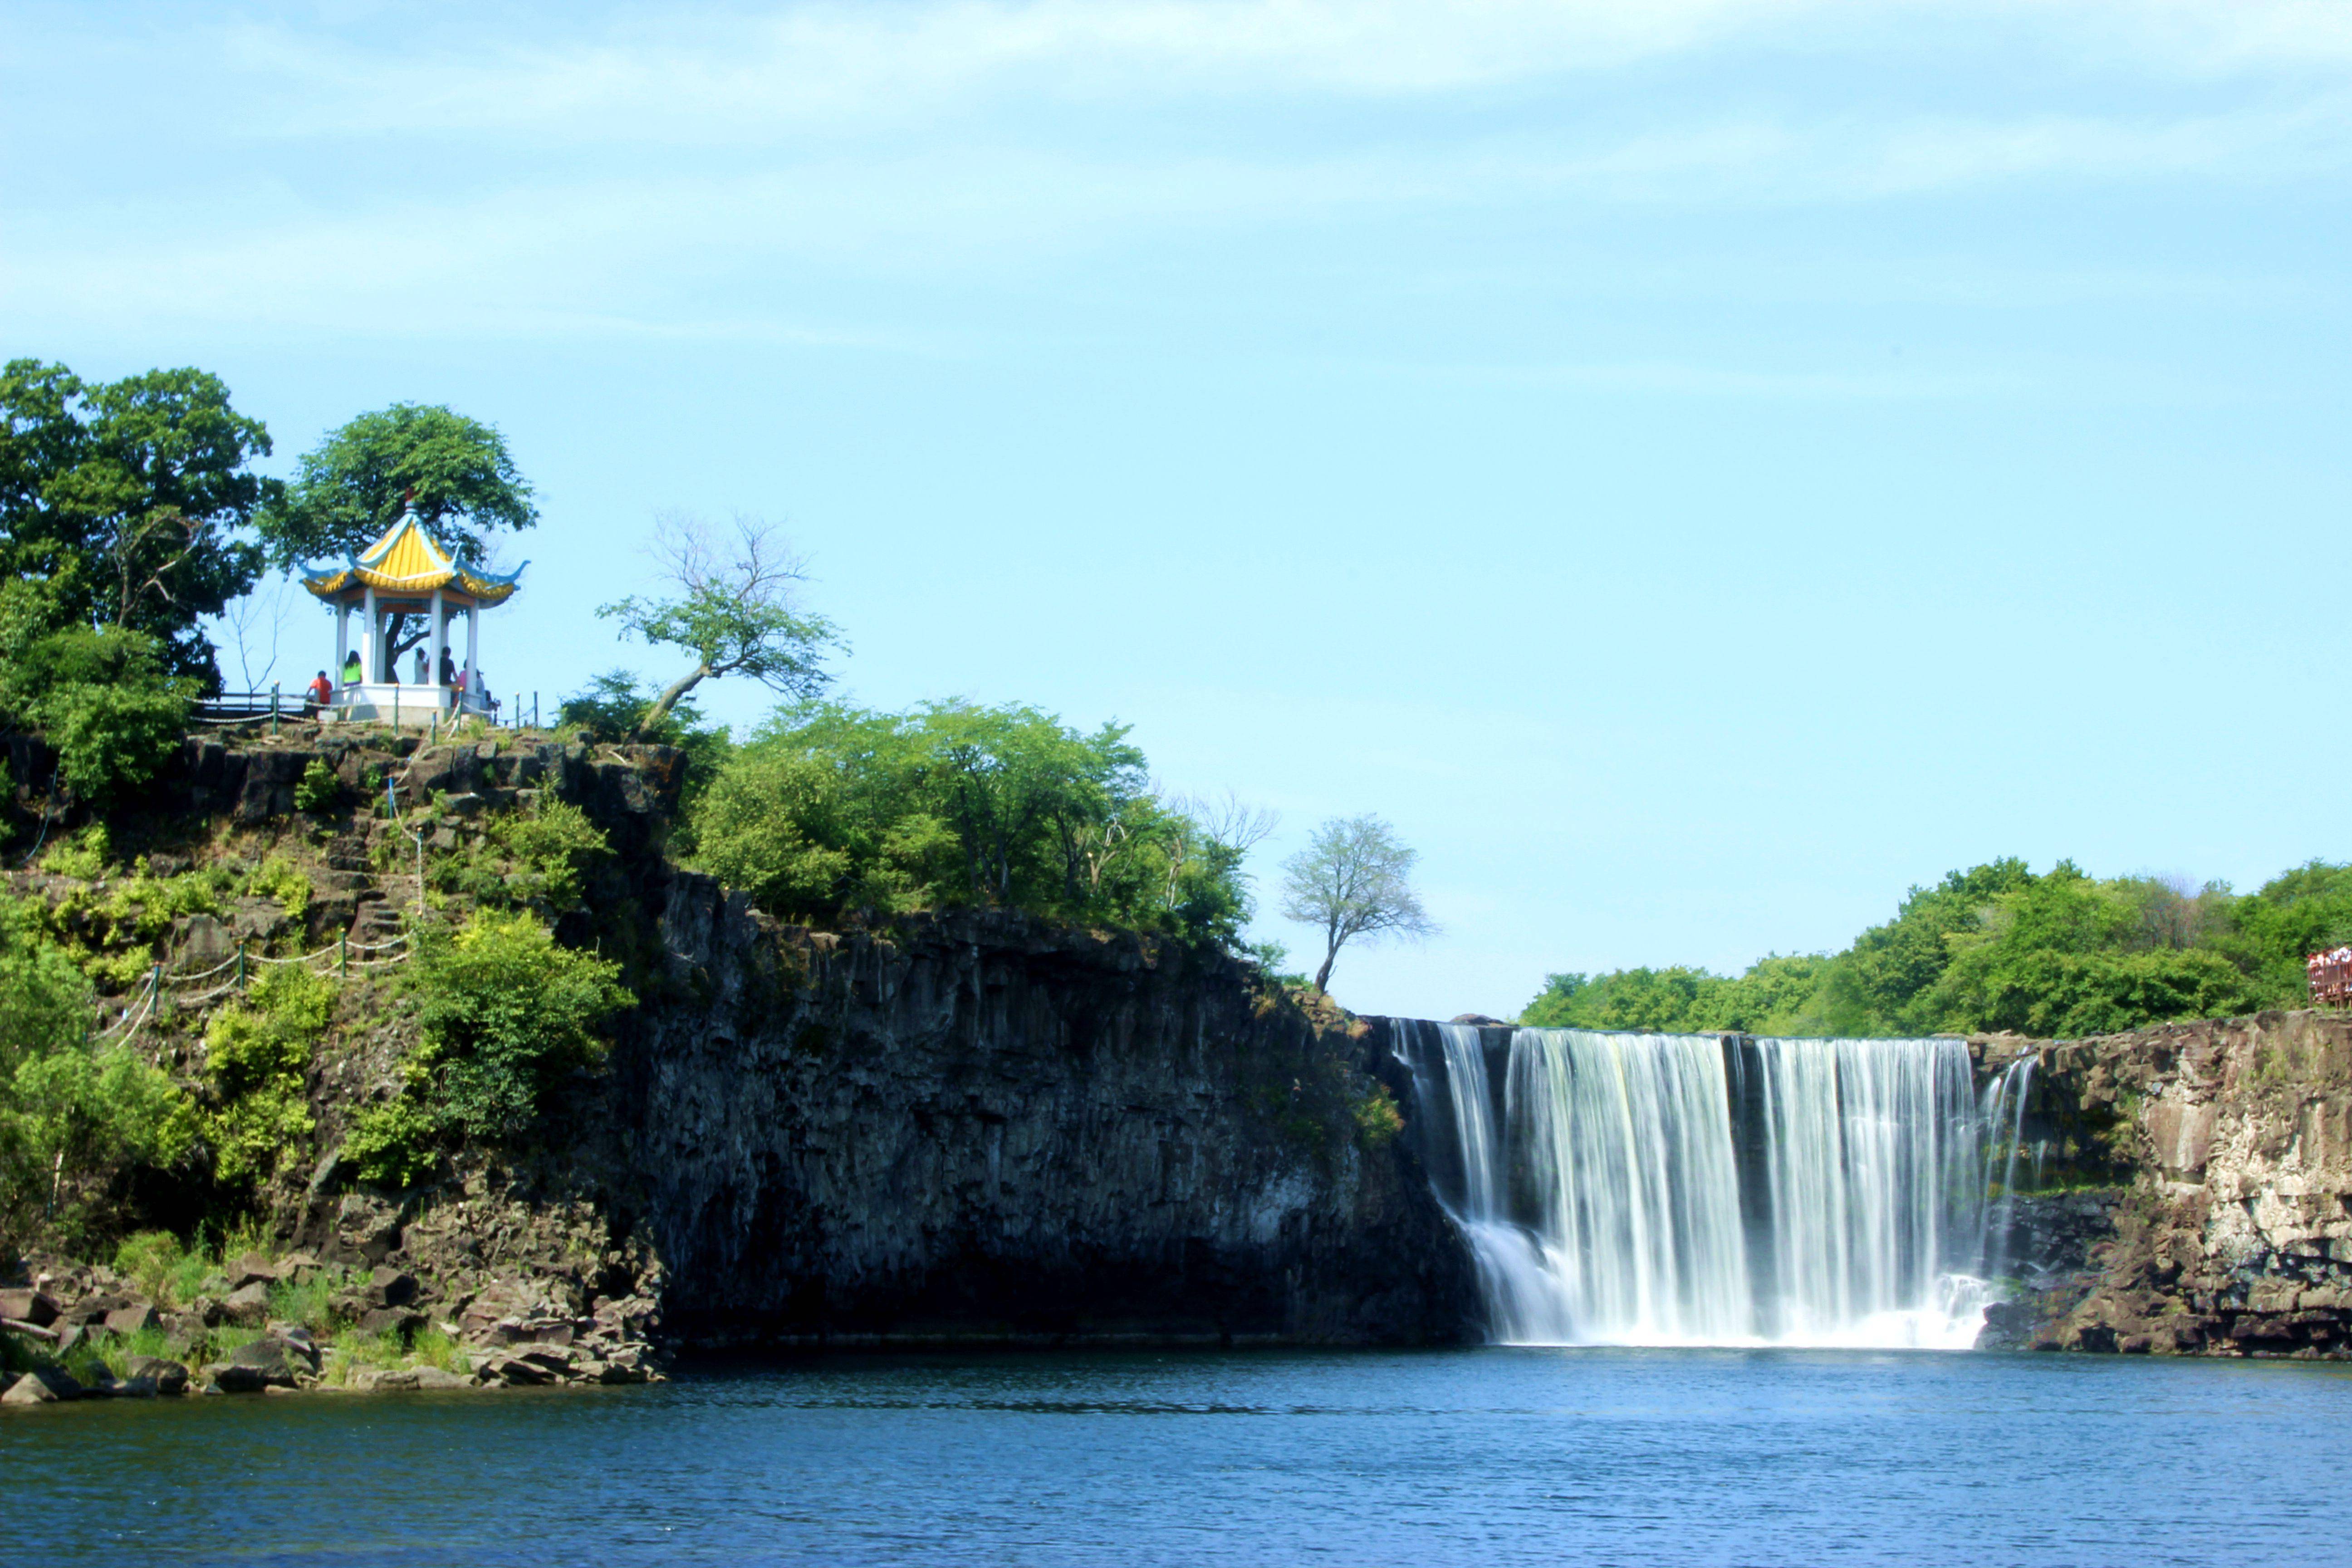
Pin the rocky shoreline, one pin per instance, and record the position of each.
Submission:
(82, 1329)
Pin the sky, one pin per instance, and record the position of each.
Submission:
(1696, 468)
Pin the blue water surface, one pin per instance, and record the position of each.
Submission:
(1488, 1456)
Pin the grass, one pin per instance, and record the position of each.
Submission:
(172, 1275)
(433, 1348)
(116, 1349)
(310, 1301)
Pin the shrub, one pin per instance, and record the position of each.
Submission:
(83, 854)
(166, 1273)
(259, 1055)
(535, 860)
(392, 1145)
(317, 789)
(279, 878)
(148, 1259)
(73, 1112)
(1378, 1120)
(104, 701)
(505, 1012)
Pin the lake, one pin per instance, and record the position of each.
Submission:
(1486, 1457)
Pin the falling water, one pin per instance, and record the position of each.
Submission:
(1701, 1189)
(2004, 1118)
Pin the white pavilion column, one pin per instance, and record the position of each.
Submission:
(343, 640)
(440, 636)
(473, 675)
(374, 636)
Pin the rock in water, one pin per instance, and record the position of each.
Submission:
(170, 1377)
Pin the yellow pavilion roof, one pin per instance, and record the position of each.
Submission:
(407, 559)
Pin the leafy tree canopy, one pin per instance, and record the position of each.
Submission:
(2059, 954)
(830, 808)
(455, 472)
(125, 499)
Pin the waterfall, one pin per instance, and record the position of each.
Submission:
(1706, 1189)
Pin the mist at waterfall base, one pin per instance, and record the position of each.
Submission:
(1431, 1459)
(1624, 1189)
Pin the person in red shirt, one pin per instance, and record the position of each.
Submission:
(321, 691)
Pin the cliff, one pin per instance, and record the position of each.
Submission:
(963, 1128)
(974, 1126)
(2227, 1229)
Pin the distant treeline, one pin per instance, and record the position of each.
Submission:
(2057, 955)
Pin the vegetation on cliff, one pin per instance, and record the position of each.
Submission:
(830, 808)
(2055, 954)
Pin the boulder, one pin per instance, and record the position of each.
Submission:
(390, 1287)
(367, 1229)
(169, 1378)
(400, 1321)
(523, 1370)
(35, 1307)
(27, 1390)
(43, 1386)
(131, 1320)
(420, 1378)
(297, 1339)
(199, 943)
(247, 1306)
(250, 1268)
(249, 1369)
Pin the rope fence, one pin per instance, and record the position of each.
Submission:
(342, 958)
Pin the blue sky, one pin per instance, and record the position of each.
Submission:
(1697, 467)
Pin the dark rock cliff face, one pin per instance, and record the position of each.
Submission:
(976, 1127)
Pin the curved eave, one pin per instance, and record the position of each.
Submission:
(483, 588)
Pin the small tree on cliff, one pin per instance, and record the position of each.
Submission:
(735, 612)
(1353, 879)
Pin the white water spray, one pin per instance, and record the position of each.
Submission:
(1694, 1189)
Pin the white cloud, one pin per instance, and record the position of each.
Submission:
(685, 173)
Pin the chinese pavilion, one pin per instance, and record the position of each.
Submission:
(407, 573)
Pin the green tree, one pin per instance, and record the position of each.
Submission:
(99, 695)
(75, 1111)
(734, 611)
(506, 1013)
(126, 498)
(455, 472)
(830, 808)
(1353, 879)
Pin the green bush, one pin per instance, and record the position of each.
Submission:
(394, 1144)
(74, 1113)
(102, 698)
(258, 1055)
(1999, 947)
(279, 878)
(317, 789)
(536, 859)
(1378, 1120)
(83, 854)
(506, 1013)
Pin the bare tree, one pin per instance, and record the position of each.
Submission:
(735, 613)
(256, 622)
(1353, 878)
